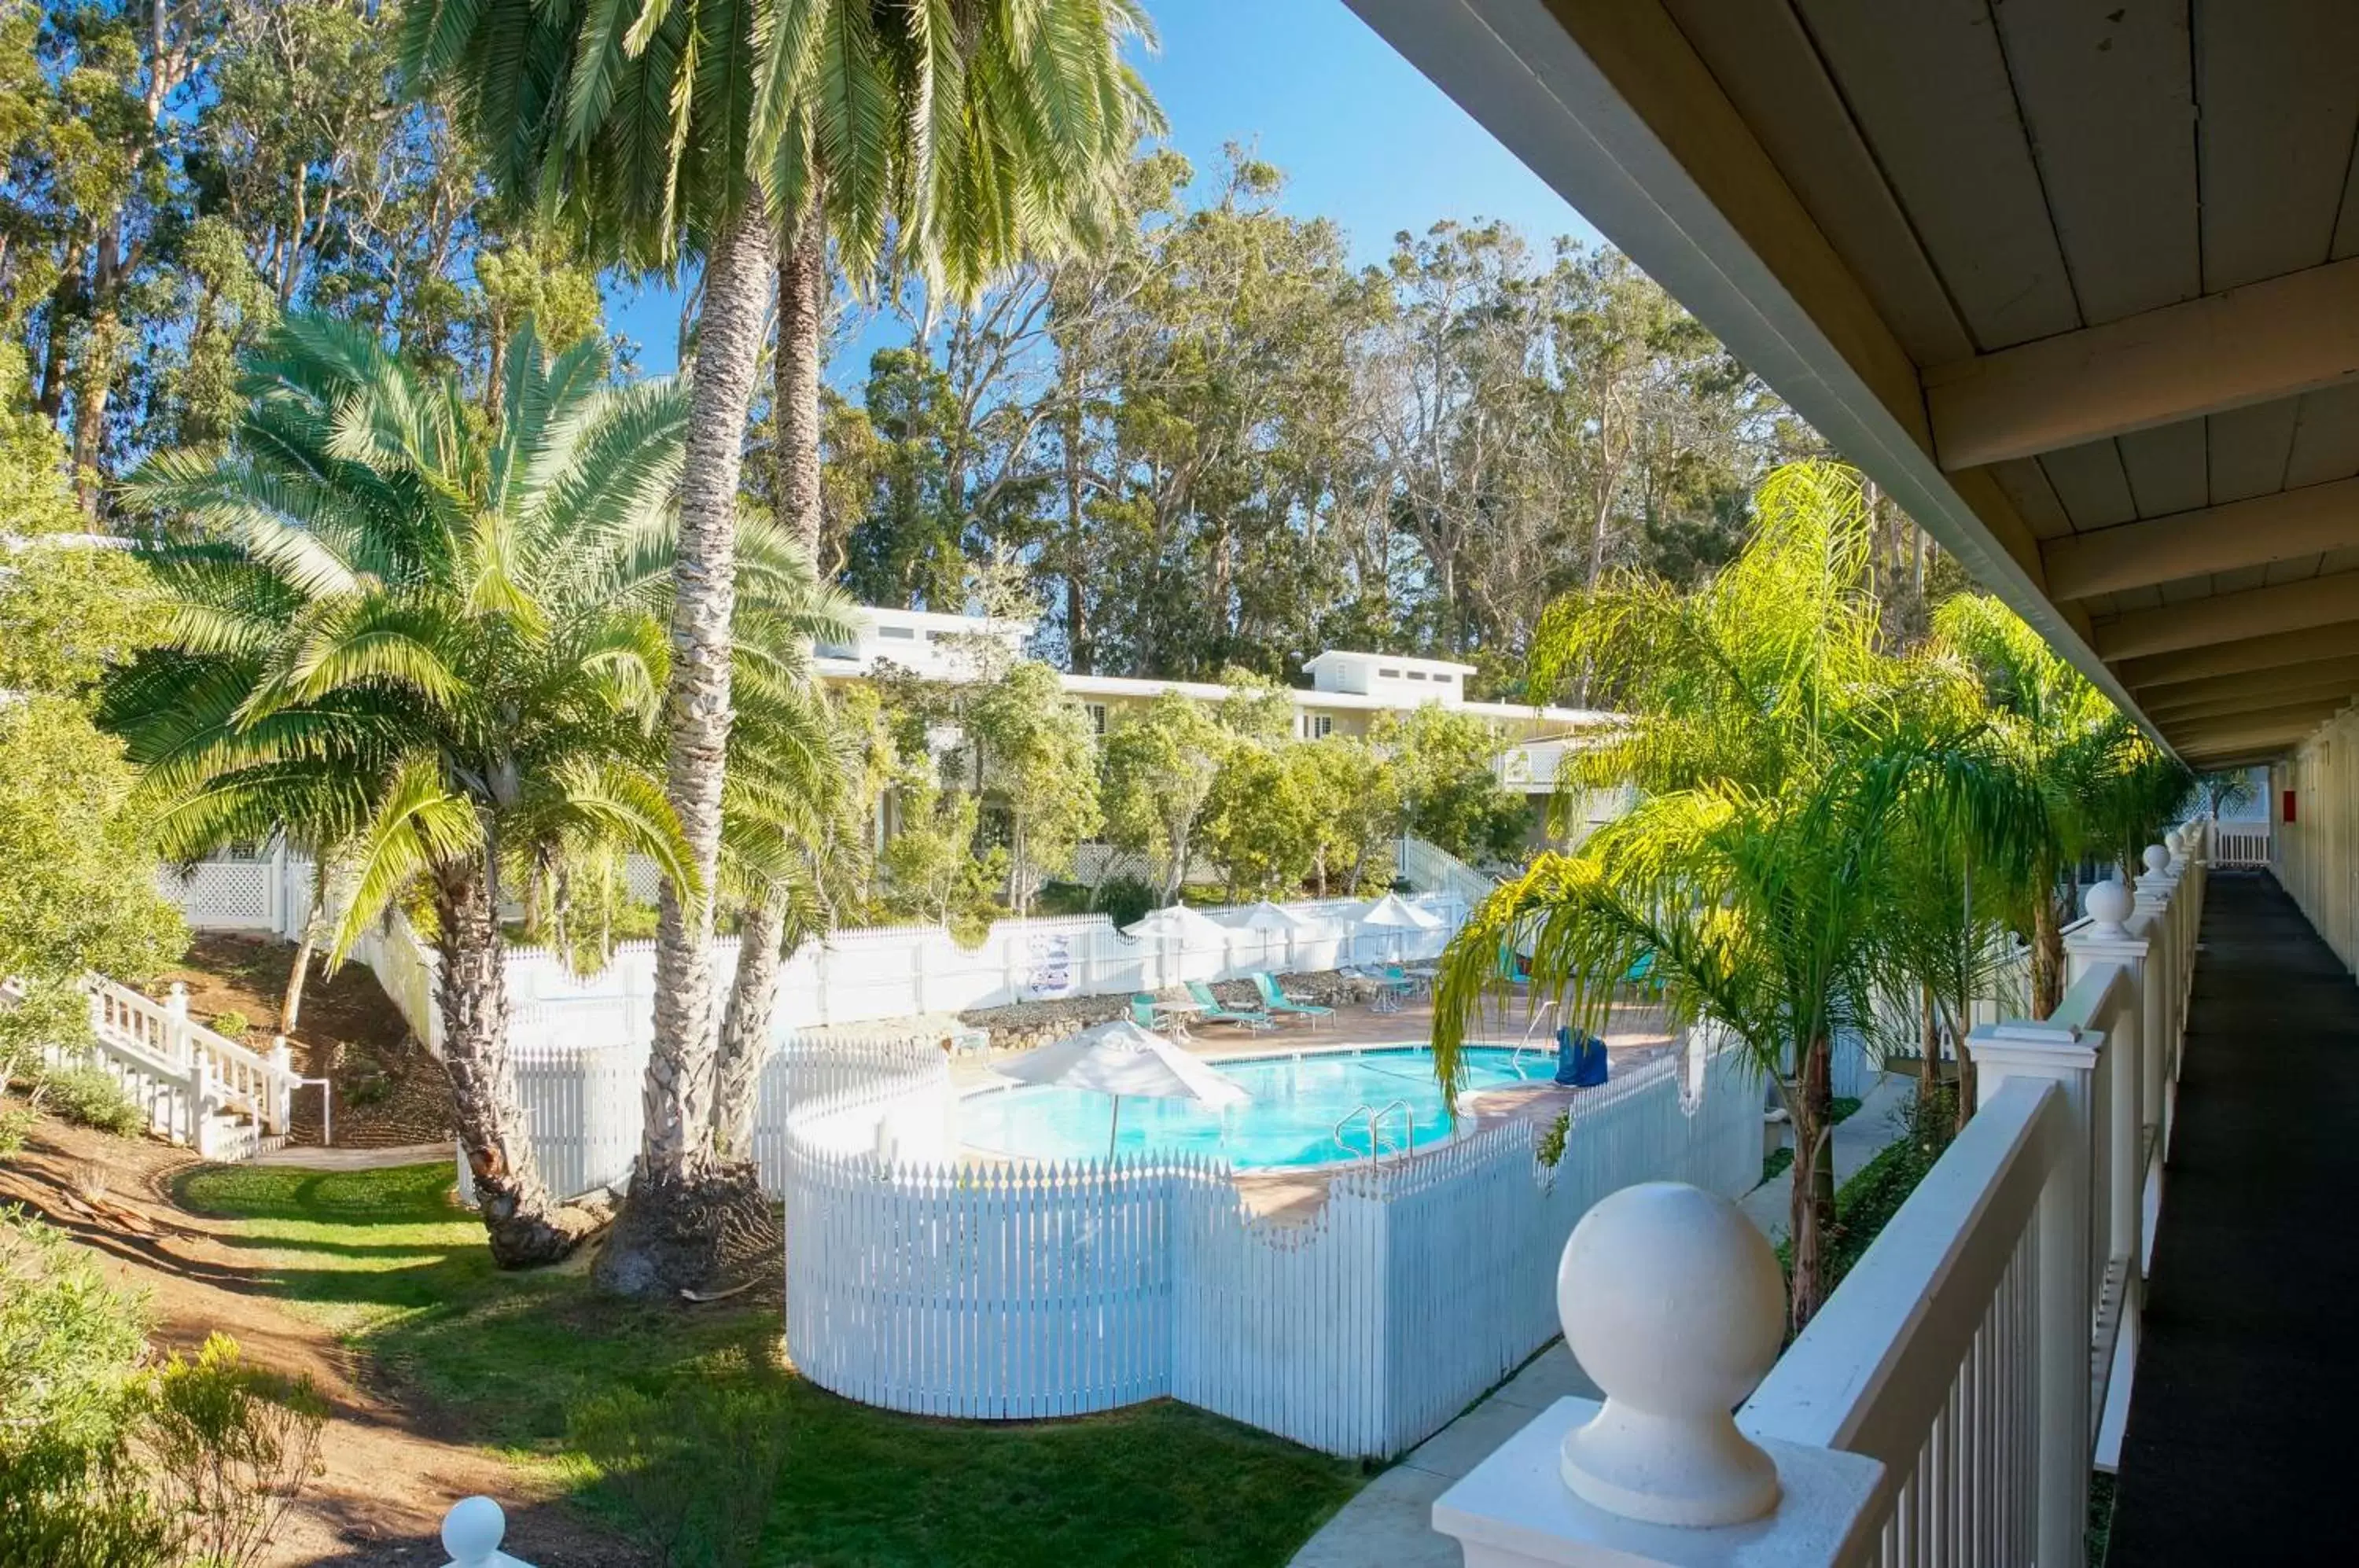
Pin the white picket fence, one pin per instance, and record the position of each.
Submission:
(856, 975)
(901, 970)
(1025, 1290)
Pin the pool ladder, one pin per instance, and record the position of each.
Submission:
(1374, 1116)
(1515, 1060)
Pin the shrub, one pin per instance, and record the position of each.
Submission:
(1125, 899)
(16, 1123)
(232, 1023)
(87, 1097)
(234, 1446)
(70, 1346)
(695, 1472)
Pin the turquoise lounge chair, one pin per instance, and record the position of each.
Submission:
(1219, 1012)
(1275, 1001)
(1142, 1011)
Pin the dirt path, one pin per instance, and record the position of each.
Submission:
(388, 1476)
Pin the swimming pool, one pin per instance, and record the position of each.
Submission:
(1290, 1121)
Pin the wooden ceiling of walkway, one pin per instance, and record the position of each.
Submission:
(2077, 280)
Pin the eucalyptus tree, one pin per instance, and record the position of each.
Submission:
(390, 630)
(737, 132)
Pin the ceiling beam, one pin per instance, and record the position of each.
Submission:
(2253, 685)
(2277, 338)
(2264, 725)
(2283, 526)
(2235, 756)
(2272, 652)
(2224, 618)
(2230, 707)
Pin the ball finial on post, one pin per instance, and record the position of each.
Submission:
(2108, 904)
(471, 1532)
(1673, 1303)
(2158, 859)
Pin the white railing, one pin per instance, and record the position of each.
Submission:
(1024, 1290)
(1429, 868)
(196, 1086)
(1947, 1403)
(2240, 844)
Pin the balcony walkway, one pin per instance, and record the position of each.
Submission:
(2238, 1444)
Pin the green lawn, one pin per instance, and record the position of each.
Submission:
(383, 1258)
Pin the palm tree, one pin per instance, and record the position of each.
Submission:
(962, 132)
(1782, 761)
(2106, 788)
(434, 645)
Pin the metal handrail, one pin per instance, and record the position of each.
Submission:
(1532, 1029)
(1376, 1117)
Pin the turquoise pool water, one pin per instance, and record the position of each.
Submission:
(1290, 1121)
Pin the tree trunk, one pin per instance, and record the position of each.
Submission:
(802, 319)
(745, 1031)
(1929, 1068)
(290, 1003)
(525, 1225)
(2046, 952)
(674, 1147)
(1812, 1218)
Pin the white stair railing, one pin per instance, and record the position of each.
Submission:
(185, 1075)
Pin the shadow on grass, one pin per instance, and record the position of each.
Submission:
(504, 1360)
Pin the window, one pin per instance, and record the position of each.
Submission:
(1318, 726)
(906, 634)
(1097, 713)
(1416, 674)
(1389, 674)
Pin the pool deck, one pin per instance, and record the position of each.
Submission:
(1633, 1037)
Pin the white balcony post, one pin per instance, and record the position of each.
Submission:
(2069, 1057)
(1673, 1303)
(282, 1084)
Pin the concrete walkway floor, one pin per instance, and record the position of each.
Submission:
(311, 1157)
(1390, 1523)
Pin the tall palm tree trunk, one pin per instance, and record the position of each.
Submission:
(802, 321)
(675, 1147)
(794, 399)
(745, 1030)
(525, 1225)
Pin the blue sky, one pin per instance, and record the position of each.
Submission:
(1363, 138)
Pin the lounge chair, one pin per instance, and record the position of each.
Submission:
(1275, 1001)
(1216, 1011)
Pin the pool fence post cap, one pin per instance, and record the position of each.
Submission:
(1673, 1303)
(2107, 905)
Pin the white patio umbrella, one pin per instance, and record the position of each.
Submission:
(1177, 920)
(1178, 923)
(1394, 913)
(1267, 918)
(1120, 1058)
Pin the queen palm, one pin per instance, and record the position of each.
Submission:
(2106, 789)
(964, 132)
(391, 631)
(1780, 756)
